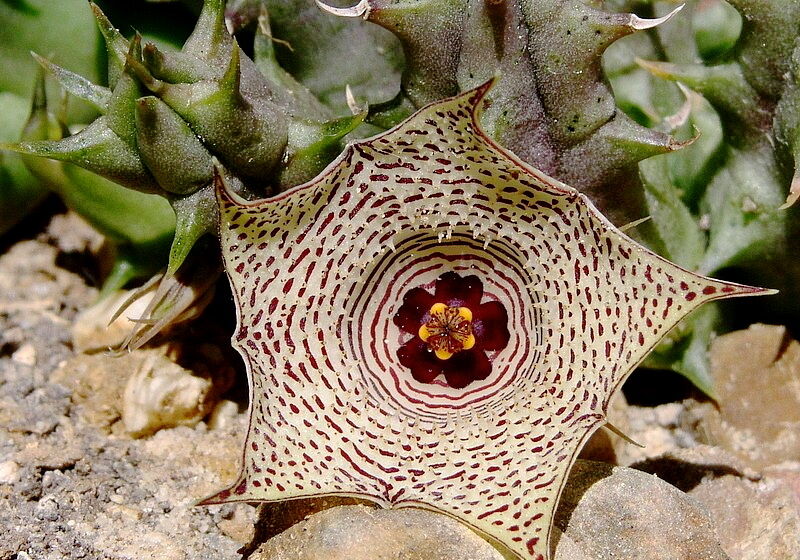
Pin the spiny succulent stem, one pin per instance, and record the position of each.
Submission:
(76, 84)
(231, 80)
(211, 33)
(39, 101)
(150, 82)
(681, 116)
(116, 44)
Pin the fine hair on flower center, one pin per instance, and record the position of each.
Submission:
(448, 331)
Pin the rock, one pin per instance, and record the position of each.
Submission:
(668, 415)
(687, 468)
(754, 520)
(788, 474)
(364, 533)
(146, 389)
(606, 513)
(97, 382)
(658, 429)
(616, 512)
(62, 501)
(9, 472)
(73, 235)
(163, 394)
(223, 414)
(25, 355)
(757, 373)
(239, 524)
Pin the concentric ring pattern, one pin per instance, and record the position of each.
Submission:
(319, 272)
(417, 261)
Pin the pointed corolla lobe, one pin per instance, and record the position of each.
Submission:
(319, 273)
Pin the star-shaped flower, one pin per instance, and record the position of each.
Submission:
(319, 275)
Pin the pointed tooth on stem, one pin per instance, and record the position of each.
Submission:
(116, 44)
(794, 192)
(98, 149)
(640, 24)
(210, 39)
(76, 84)
(681, 115)
(178, 160)
(231, 81)
(362, 9)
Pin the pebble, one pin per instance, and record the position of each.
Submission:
(25, 355)
(9, 472)
(758, 396)
(365, 533)
(616, 512)
(755, 520)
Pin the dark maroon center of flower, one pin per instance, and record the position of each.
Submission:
(452, 331)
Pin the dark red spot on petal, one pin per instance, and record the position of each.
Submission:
(416, 356)
(490, 326)
(466, 367)
(455, 291)
(416, 304)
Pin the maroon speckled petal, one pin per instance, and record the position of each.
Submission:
(416, 356)
(456, 291)
(416, 304)
(465, 367)
(490, 326)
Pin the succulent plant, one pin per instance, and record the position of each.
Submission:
(717, 205)
(276, 118)
(428, 266)
(23, 21)
(168, 118)
(453, 342)
(19, 190)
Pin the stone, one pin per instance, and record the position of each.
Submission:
(25, 354)
(96, 382)
(755, 520)
(359, 532)
(146, 389)
(9, 472)
(757, 374)
(606, 513)
(61, 503)
(687, 468)
(223, 415)
(239, 524)
(611, 512)
(161, 393)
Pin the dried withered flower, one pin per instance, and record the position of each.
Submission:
(432, 323)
